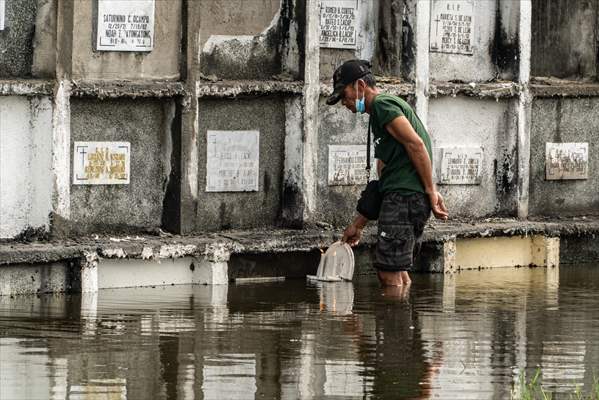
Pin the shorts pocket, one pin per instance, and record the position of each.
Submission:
(394, 246)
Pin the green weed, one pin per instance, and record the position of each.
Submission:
(533, 389)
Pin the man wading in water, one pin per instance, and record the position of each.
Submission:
(403, 153)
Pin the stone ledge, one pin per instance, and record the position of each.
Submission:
(25, 87)
(227, 89)
(131, 89)
(495, 90)
(268, 241)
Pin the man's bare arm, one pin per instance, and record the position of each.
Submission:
(401, 129)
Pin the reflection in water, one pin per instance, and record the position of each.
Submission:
(461, 336)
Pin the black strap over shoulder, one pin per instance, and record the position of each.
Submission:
(368, 152)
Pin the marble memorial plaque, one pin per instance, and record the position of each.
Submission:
(566, 161)
(452, 26)
(2, 11)
(125, 25)
(461, 165)
(338, 24)
(101, 163)
(232, 163)
(347, 165)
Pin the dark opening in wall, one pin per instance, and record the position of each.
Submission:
(564, 39)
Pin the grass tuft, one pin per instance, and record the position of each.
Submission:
(532, 389)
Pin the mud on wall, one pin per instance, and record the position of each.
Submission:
(258, 39)
(25, 165)
(563, 121)
(146, 124)
(565, 41)
(220, 210)
(492, 125)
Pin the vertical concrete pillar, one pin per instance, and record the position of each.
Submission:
(189, 121)
(524, 108)
(61, 145)
(423, 16)
(213, 268)
(545, 251)
(61, 115)
(311, 96)
(449, 256)
(89, 272)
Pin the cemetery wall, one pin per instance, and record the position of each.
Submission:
(256, 75)
(485, 130)
(490, 25)
(255, 199)
(250, 40)
(146, 125)
(564, 38)
(162, 62)
(25, 165)
(565, 120)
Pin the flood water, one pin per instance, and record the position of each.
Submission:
(465, 336)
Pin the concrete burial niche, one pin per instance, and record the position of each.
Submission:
(222, 209)
(564, 38)
(567, 120)
(381, 31)
(250, 39)
(146, 125)
(490, 47)
(25, 165)
(16, 39)
(336, 201)
(162, 62)
(490, 125)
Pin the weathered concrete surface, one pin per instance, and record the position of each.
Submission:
(495, 44)
(243, 209)
(131, 89)
(25, 165)
(16, 40)
(337, 126)
(495, 90)
(247, 88)
(248, 40)
(44, 41)
(275, 241)
(367, 40)
(161, 63)
(30, 87)
(146, 124)
(35, 279)
(553, 87)
(564, 120)
(564, 38)
(236, 17)
(489, 124)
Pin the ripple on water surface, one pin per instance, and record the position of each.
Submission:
(466, 336)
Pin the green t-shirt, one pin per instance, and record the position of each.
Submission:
(399, 174)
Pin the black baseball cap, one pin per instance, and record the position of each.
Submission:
(345, 74)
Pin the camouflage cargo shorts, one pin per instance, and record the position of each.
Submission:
(400, 226)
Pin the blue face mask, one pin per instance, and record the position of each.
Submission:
(360, 104)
